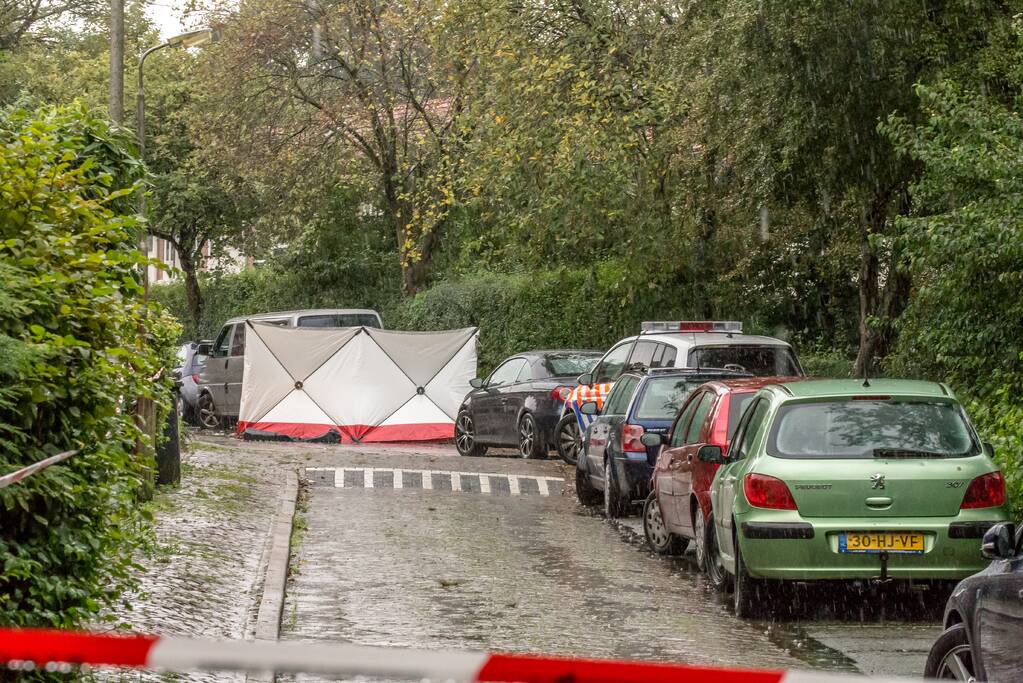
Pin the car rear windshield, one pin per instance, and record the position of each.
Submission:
(662, 397)
(339, 320)
(570, 364)
(762, 361)
(870, 429)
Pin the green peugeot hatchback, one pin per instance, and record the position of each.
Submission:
(846, 480)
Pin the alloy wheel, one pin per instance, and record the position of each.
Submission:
(465, 436)
(208, 413)
(568, 440)
(527, 435)
(653, 525)
(698, 531)
(956, 665)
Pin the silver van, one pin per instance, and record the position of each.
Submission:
(220, 384)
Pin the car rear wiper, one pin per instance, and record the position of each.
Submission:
(905, 453)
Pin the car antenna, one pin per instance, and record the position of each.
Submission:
(866, 380)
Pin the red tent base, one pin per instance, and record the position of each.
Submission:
(296, 431)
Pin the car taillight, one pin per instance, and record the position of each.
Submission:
(986, 491)
(631, 435)
(195, 378)
(561, 394)
(763, 491)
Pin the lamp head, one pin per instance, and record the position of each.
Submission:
(194, 38)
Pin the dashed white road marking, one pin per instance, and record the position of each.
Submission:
(486, 479)
(542, 482)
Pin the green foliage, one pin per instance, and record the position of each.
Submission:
(71, 353)
(965, 322)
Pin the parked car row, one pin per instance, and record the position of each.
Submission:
(711, 346)
(775, 478)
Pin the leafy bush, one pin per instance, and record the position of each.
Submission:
(71, 357)
(965, 320)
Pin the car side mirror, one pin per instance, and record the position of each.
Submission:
(712, 454)
(999, 542)
(653, 439)
(988, 449)
(585, 379)
(588, 408)
(476, 383)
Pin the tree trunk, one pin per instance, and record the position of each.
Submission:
(880, 306)
(868, 284)
(192, 291)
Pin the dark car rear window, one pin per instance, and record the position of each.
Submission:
(736, 407)
(569, 364)
(663, 396)
(342, 320)
(762, 361)
(871, 428)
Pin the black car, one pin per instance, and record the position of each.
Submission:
(520, 402)
(983, 637)
(615, 466)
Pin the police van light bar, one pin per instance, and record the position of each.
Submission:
(726, 326)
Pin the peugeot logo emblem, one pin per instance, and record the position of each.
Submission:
(877, 481)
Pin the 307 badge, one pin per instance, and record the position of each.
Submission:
(880, 542)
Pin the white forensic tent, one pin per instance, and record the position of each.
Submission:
(354, 384)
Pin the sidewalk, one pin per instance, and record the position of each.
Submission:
(204, 576)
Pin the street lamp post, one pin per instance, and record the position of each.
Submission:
(168, 456)
(185, 41)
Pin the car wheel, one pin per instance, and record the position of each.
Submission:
(208, 416)
(613, 505)
(715, 566)
(746, 589)
(950, 657)
(531, 441)
(569, 438)
(465, 436)
(660, 540)
(584, 490)
(699, 538)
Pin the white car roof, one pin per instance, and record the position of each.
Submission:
(688, 340)
(304, 312)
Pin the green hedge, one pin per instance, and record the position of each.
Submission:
(71, 354)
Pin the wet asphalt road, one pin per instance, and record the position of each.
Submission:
(445, 568)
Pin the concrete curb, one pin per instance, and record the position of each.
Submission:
(268, 618)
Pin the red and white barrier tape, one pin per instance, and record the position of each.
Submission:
(15, 477)
(47, 648)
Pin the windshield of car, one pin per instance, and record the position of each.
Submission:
(569, 364)
(662, 397)
(339, 320)
(736, 407)
(871, 428)
(762, 361)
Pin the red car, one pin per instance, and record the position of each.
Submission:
(679, 500)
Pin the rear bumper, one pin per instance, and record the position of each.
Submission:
(634, 478)
(779, 544)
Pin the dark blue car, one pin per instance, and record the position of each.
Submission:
(612, 451)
